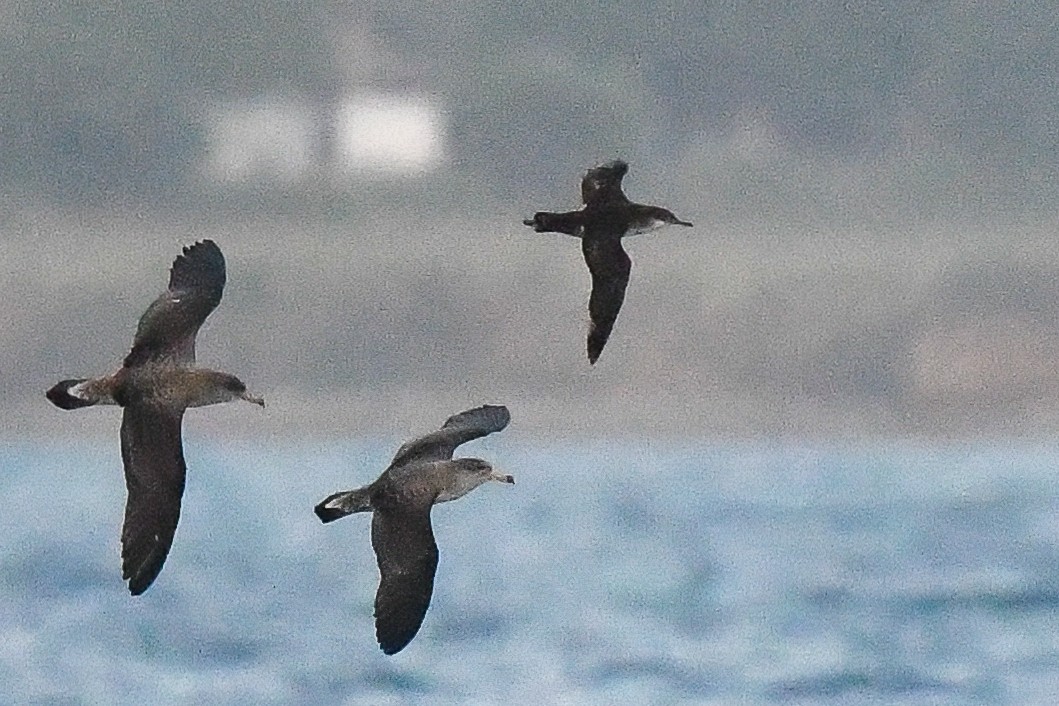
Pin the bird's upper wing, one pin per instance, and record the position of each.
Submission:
(153, 456)
(167, 329)
(610, 267)
(603, 183)
(458, 429)
(408, 557)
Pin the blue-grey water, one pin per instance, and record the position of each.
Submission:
(638, 573)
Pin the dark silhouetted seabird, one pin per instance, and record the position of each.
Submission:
(156, 383)
(606, 217)
(422, 474)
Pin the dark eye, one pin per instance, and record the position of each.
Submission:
(236, 385)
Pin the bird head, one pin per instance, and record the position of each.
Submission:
(667, 217)
(482, 469)
(465, 474)
(231, 388)
(649, 218)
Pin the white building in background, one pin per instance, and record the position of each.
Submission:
(281, 141)
(388, 133)
(264, 140)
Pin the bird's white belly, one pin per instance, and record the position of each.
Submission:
(654, 224)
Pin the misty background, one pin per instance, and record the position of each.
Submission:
(872, 189)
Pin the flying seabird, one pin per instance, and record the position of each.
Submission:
(156, 383)
(606, 217)
(422, 474)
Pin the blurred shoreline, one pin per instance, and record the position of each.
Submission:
(734, 330)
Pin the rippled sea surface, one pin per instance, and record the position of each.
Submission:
(632, 573)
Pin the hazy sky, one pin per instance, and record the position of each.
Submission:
(871, 190)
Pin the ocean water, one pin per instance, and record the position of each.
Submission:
(631, 573)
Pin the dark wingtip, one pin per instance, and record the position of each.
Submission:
(595, 348)
(144, 578)
(392, 644)
(614, 165)
(501, 416)
(60, 396)
(204, 248)
(199, 265)
(327, 514)
(392, 649)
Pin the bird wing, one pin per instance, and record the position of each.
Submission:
(408, 557)
(154, 476)
(570, 223)
(167, 329)
(603, 183)
(458, 429)
(610, 267)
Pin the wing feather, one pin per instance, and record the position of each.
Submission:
(603, 183)
(153, 456)
(610, 267)
(168, 328)
(408, 559)
(458, 429)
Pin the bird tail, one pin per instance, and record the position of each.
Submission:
(345, 503)
(73, 394)
(544, 222)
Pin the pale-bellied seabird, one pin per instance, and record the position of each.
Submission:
(606, 217)
(422, 474)
(156, 383)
